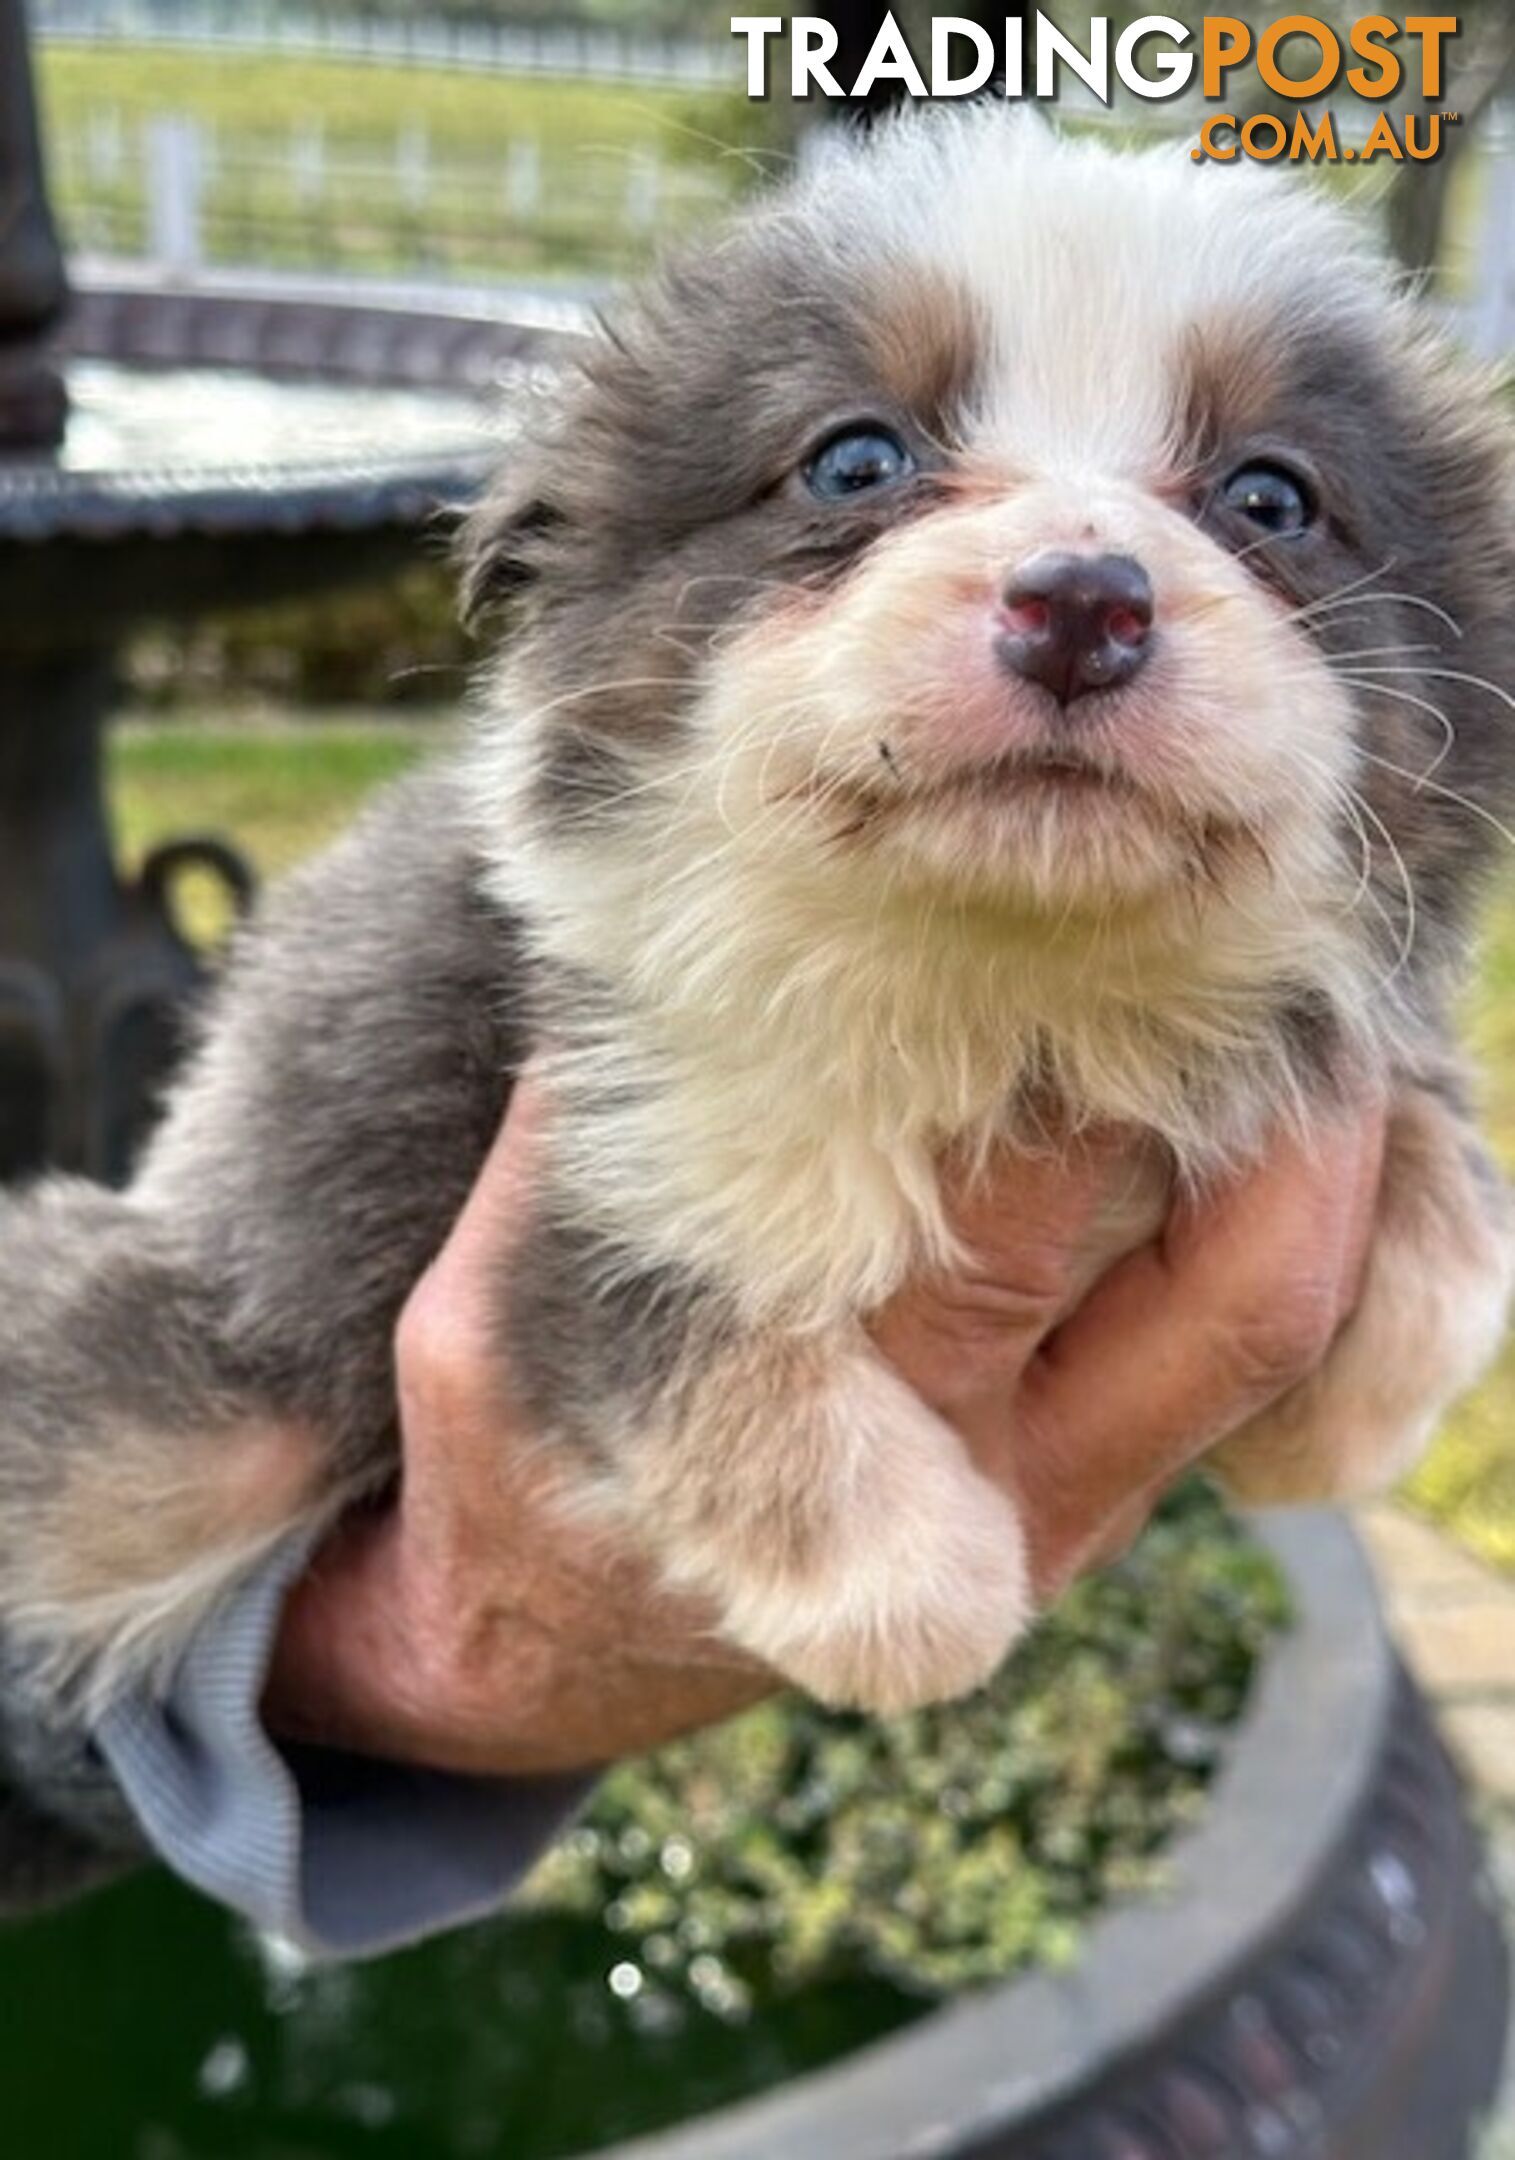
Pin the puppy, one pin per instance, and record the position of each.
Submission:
(1008, 625)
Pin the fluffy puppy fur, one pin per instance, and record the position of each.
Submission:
(799, 892)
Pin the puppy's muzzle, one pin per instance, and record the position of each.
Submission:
(1076, 623)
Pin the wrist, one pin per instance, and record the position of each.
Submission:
(362, 1663)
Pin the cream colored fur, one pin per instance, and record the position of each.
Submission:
(1433, 1313)
(138, 1553)
(837, 1524)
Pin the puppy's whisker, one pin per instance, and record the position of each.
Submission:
(1408, 697)
(1348, 800)
(1451, 795)
(610, 687)
(1412, 915)
(1353, 585)
(430, 671)
(753, 580)
(1342, 603)
(1260, 546)
(1456, 675)
(1374, 652)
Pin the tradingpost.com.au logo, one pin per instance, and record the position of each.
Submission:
(1297, 58)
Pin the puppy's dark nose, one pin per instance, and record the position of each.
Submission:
(1076, 623)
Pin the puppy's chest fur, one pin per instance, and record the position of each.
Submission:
(732, 1178)
(803, 1180)
(765, 1098)
(753, 1100)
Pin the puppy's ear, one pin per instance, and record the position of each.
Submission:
(504, 545)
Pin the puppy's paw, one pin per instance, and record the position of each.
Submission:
(884, 1573)
(1433, 1314)
(896, 1630)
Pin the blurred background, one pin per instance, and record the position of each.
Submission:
(757, 1903)
(487, 146)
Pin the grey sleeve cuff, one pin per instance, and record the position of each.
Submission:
(342, 1856)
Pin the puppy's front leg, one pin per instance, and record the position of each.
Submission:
(1432, 1315)
(837, 1522)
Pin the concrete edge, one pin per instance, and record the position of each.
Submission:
(1286, 1800)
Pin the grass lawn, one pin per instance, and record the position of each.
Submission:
(360, 207)
(363, 214)
(278, 791)
(258, 94)
(282, 790)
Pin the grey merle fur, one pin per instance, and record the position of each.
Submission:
(359, 1055)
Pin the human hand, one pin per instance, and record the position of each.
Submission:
(1087, 1421)
(476, 1626)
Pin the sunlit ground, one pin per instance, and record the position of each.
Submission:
(1469, 1482)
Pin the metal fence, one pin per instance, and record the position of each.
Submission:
(339, 200)
(190, 198)
(568, 49)
(1488, 266)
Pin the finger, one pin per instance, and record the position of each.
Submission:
(1115, 1538)
(1329, 1180)
(1186, 1340)
(1024, 1225)
(597, 1717)
(344, 1630)
(1062, 1551)
(498, 1207)
(448, 1366)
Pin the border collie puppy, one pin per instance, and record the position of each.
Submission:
(1008, 625)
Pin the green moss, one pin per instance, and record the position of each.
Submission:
(946, 1848)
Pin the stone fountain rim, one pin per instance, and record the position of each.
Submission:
(461, 344)
(1293, 1785)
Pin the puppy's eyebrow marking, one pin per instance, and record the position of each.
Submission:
(1230, 385)
(927, 340)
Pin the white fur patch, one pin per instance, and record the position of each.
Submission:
(841, 1528)
(1433, 1314)
(1089, 267)
(148, 1537)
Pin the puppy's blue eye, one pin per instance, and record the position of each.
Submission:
(857, 461)
(1272, 498)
